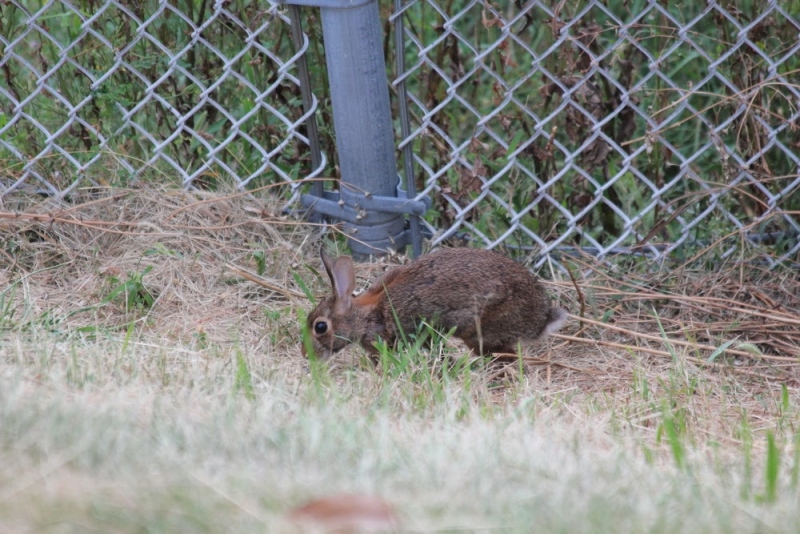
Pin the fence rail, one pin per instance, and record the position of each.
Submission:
(616, 126)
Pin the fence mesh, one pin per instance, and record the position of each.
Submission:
(603, 126)
(654, 127)
(112, 90)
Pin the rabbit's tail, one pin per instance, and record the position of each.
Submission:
(556, 318)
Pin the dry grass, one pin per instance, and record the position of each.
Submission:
(194, 244)
(195, 412)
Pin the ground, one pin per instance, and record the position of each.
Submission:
(151, 380)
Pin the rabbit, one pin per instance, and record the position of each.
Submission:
(492, 302)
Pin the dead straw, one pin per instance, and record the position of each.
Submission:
(71, 254)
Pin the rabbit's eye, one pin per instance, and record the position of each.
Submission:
(320, 327)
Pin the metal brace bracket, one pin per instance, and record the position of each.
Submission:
(365, 215)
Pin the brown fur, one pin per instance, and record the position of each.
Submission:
(491, 301)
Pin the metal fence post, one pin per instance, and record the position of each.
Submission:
(369, 200)
(305, 89)
(405, 125)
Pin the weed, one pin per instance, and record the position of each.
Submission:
(6, 309)
(772, 469)
(795, 473)
(243, 379)
(745, 435)
(201, 339)
(261, 262)
(669, 429)
(159, 249)
(304, 288)
(132, 291)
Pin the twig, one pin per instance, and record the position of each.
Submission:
(577, 289)
(533, 359)
(679, 342)
(288, 293)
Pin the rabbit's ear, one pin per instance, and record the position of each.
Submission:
(327, 262)
(343, 278)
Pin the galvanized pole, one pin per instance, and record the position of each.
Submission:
(305, 90)
(362, 118)
(402, 97)
(368, 200)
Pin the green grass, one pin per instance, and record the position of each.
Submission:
(126, 435)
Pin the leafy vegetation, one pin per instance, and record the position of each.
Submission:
(686, 110)
(145, 100)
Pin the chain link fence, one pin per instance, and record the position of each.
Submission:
(636, 127)
(646, 127)
(194, 93)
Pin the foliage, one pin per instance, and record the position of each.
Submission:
(148, 99)
(688, 119)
